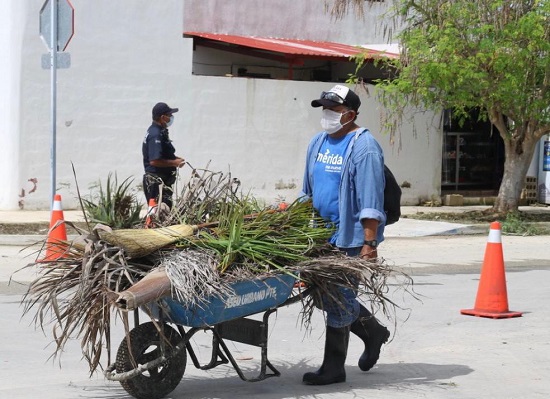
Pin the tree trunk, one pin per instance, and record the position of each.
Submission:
(518, 158)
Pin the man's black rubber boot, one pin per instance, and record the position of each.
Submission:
(373, 334)
(332, 370)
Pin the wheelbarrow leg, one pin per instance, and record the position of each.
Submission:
(136, 318)
(250, 332)
(217, 357)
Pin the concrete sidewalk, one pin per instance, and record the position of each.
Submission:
(25, 216)
(406, 227)
(30, 216)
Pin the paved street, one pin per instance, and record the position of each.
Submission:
(435, 352)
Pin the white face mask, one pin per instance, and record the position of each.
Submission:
(169, 123)
(330, 121)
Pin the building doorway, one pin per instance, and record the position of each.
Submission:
(473, 158)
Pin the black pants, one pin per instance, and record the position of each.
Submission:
(151, 187)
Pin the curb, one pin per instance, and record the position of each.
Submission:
(474, 229)
(543, 227)
(26, 240)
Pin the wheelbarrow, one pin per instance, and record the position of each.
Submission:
(152, 358)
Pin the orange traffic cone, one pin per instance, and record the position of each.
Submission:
(151, 211)
(56, 244)
(492, 298)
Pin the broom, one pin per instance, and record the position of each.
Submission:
(141, 242)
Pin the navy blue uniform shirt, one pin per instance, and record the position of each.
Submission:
(157, 145)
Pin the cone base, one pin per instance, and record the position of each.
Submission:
(490, 314)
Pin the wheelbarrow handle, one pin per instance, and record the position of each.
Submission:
(298, 297)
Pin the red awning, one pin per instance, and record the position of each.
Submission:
(286, 50)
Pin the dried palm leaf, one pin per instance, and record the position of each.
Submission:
(369, 278)
(202, 198)
(195, 277)
(73, 294)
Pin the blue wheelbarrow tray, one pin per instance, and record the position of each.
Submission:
(248, 297)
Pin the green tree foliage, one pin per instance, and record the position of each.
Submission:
(488, 54)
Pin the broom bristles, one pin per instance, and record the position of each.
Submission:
(141, 242)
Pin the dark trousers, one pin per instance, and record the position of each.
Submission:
(152, 185)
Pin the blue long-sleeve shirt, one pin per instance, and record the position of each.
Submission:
(361, 191)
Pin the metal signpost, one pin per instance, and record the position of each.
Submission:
(56, 30)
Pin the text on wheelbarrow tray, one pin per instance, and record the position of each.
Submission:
(251, 297)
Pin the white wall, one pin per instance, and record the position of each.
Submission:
(129, 54)
(126, 56)
(12, 29)
(261, 128)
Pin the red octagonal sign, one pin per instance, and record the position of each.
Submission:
(65, 23)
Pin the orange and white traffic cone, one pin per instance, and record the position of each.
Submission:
(492, 297)
(151, 211)
(56, 243)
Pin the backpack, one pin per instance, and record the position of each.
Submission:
(392, 193)
(392, 197)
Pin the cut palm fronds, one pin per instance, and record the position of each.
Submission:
(141, 242)
(270, 240)
(73, 295)
(76, 294)
(370, 278)
(202, 198)
(195, 277)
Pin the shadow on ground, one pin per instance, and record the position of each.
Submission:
(223, 382)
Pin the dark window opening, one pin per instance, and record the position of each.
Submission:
(473, 157)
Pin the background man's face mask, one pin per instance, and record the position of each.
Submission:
(330, 121)
(169, 123)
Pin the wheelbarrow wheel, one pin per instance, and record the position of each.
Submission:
(145, 342)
